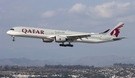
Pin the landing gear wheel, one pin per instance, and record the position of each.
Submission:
(66, 45)
(71, 45)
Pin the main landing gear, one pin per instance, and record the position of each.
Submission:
(66, 45)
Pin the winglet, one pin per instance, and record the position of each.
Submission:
(105, 31)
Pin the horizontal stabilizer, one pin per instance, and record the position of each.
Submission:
(120, 38)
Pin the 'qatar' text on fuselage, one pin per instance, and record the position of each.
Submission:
(33, 31)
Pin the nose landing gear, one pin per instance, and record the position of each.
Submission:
(13, 38)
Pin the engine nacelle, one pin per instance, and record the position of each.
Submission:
(47, 40)
(60, 39)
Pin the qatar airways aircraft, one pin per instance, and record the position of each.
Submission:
(60, 36)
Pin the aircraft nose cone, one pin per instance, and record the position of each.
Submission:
(8, 32)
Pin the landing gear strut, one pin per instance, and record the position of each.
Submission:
(13, 38)
(66, 45)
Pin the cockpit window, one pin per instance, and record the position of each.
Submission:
(11, 29)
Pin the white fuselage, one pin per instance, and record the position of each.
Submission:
(50, 34)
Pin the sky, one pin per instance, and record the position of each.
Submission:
(74, 15)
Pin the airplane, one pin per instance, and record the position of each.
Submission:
(62, 37)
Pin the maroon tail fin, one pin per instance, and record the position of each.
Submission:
(116, 30)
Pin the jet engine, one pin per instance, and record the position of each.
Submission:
(47, 40)
(60, 39)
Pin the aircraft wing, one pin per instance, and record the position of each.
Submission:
(78, 36)
(72, 37)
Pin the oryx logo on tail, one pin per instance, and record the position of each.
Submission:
(116, 31)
